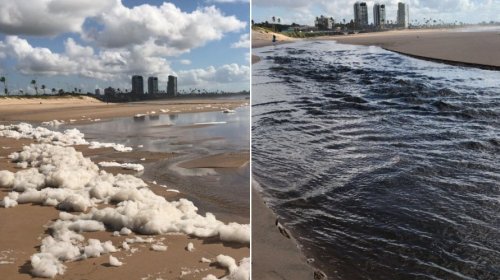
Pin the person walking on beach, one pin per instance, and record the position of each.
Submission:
(274, 40)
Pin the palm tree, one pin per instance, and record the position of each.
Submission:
(4, 81)
(33, 82)
(53, 91)
(43, 88)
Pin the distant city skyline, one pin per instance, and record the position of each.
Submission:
(305, 11)
(101, 43)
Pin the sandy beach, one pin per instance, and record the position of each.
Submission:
(24, 226)
(476, 49)
(262, 38)
(87, 109)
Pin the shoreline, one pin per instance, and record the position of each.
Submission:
(275, 255)
(475, 49)
(30, 220)
(448, 62)
(80, 111)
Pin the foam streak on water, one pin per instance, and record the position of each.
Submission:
(387, 166)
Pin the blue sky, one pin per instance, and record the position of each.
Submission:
(99, 43)
(304, 11)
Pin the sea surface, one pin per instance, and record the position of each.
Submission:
(224, 192)
(383, 166)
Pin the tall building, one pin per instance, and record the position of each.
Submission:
(172, 86)
(137, 84)
(152, 85)
(403, 14)
(324, 23)
(379, 15)
(360, 14)
(109, 91)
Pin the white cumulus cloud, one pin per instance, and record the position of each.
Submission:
(244, 42)
(48, 17)
(204, 77)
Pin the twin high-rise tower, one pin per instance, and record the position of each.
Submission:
(138, 85)
(360, 14)
(379, 15)
(403, 14)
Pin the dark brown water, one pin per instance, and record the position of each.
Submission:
(387, 167)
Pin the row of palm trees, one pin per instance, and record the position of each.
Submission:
(3, 80)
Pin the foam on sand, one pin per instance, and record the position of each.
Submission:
(59, 176)
(236, 272)
(158, 247)
(130, 166)
(114, 261)
(43, 135)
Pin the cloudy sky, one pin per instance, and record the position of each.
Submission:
(98, 43)
(304, 11)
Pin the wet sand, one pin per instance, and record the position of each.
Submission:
(475, 49)
(24, 226)
(86, 109)
(225, 160)
(274, 256)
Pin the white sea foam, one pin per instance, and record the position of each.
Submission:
(116, 147)
(205, 260)
(114, 261)
(43, 135)
(158, 247)
(236, 272)
(190, 247)
(54, 123)
(125, 231)
(208, 123)
(61, 177)
(130, 166)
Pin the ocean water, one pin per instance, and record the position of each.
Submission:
(224, 192)
(383, 166)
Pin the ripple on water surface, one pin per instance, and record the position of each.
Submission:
(387, 166)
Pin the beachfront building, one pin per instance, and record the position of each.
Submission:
(379, 15)
(403, 14)
(152, 85)
(172, 86)
(137, 84)
(360, 14)
(324, 23)
(109, 91)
